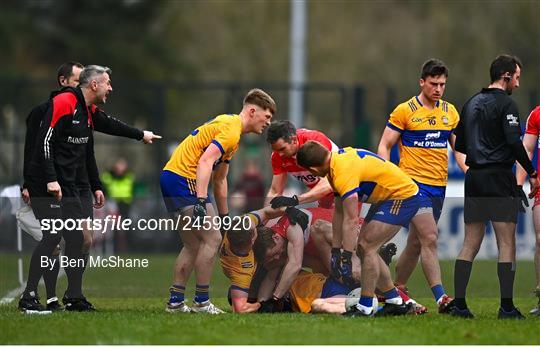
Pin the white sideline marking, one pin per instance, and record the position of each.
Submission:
(11, 295)
(14, 293)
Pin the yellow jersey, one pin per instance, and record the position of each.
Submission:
(423, 147)
(224, 131)
(358, 171)
(305, 289)
(239, 268)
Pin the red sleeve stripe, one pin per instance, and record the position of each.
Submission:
(63, 105)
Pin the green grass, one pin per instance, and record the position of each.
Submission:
(131, 303)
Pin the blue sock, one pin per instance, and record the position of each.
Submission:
(177, 293)
(391, 294)
(202, 293)
(366, 301)
(438, 291)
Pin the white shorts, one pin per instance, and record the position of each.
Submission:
(27, 221)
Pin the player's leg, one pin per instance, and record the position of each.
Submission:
(475, 217)
(372, 236)
(74, 299)
(428, 235)
(408, 259)
(332, 298)
(209, 241)
(334, 305)
(46, 209)
(179, 198)
(87, 202)
(536, 220)
(474, 234)
(505, 233)
(50, 277)
(183, 265)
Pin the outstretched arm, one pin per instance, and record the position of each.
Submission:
(320, 190)
(295, 251)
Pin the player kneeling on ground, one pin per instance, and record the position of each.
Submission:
(238, 262)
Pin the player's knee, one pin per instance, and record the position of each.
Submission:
(366, 246)
(214, 240)
(413, 244)
(191, 248)
(429, 240)
(317, 306)
(469, 251)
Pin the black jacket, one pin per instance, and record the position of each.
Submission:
(39, 121)
(489, 131)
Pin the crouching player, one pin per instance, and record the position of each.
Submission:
(271, 251)
(205, 154)
(357, 174)
(285, 141)
(238, 262)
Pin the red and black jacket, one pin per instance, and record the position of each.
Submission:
(87, 175)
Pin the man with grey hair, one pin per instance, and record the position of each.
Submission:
(61, 145)
(88, 183)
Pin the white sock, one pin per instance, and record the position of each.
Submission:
(364, 309)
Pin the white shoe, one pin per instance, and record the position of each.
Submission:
(178, 307)
(536, 311)
(206, 307)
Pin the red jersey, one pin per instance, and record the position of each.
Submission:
(533, 125)
(314, 214)
(533, 128)
(281, 165)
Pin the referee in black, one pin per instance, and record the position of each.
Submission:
(489, 134)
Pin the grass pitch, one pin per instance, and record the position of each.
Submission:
(131, 311)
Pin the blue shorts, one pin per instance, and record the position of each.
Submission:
(178, 192)
(332, 288)
(395, 212)
(431, 197)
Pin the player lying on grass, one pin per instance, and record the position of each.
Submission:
(285, 248)
(316, 293)
(271, 251)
